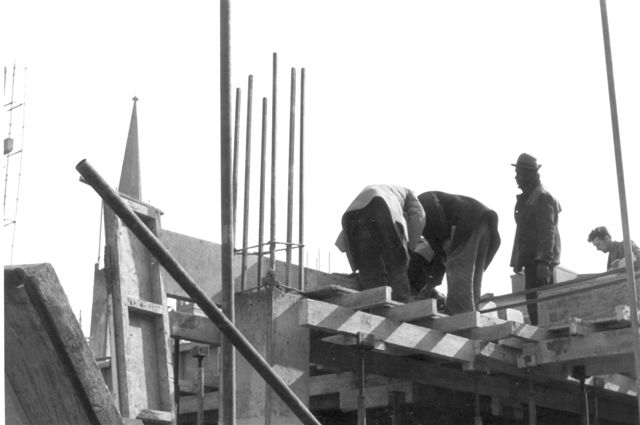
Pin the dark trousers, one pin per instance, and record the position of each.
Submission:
(531, 280)
(377, 251)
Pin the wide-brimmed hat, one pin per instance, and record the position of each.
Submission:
(527, 162)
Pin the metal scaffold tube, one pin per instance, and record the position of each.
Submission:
(633, 292)
(227, 413)
(226, 326)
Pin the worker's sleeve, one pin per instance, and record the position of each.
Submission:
(545, 216)
(416, 219)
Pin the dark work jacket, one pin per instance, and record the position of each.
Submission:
(537, 238)
(445, 210)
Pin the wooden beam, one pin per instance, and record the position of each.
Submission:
(413, 311)
(369, 298)
(144, 307)
(194, 328)
(333, 318)
(596, 345)
(462, 321)
(508, 329)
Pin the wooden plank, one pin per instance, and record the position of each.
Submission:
(195, 328)
(366, 343)
(155, 416)
(332, 318)
(506, 330)
(410, 312)
(597, 345)
(137, 305)
(329, 291)
(462, 321)
(369, 298)
(49, 367)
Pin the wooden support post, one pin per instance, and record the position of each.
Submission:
(362, 408)
(533, 416)
(397, 406)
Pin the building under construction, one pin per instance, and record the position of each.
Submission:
(186, 331)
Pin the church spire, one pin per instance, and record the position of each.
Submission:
(130, 174)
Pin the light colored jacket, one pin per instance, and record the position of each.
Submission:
(405, 209)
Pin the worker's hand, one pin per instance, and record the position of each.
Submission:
(543, 272)
(517, 270)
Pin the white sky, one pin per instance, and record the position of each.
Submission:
(432, 95)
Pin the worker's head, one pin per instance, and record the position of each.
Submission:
(600, 238)
(526, 170)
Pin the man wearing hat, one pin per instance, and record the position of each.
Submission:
(536, 247)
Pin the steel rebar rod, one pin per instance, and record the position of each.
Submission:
(263, 164)
(236, 147)
(186, 282)
(301, 282)
(292, 127)
(633, 292)
(274, 108)
(227, 413)
(247, 186)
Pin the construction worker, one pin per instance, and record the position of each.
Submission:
(463, 234)
(601, 239)
(379, 228)
(536, 247)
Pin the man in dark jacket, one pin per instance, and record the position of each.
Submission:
(536, 247)
(463, 234)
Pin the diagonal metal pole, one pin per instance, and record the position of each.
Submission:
(186, 282)
(633, 292)
(228, 391)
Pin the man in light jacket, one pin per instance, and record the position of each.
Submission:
(379, 228)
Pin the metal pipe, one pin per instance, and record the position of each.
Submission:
(180, 275)
(236, 147)
(361, 375)
(247, 185)
(633, 292)
(263, 165)
(274, 104)
(228, 390)
(292, 127)
(301, 193)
